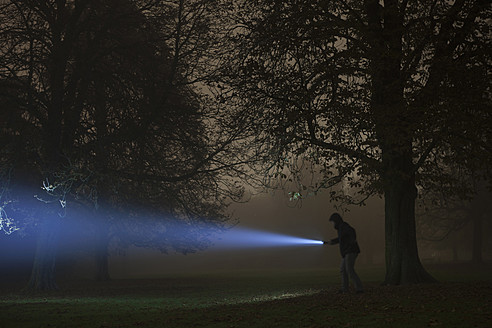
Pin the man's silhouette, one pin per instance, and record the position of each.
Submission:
(349, 249)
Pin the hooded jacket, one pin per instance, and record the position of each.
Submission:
(346, 238)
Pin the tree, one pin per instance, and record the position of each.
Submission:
(170, 147)
(38, 40)
(100, 100)
(386, 94)
(440, 215)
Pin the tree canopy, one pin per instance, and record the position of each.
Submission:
(102, 105)
(392, 96)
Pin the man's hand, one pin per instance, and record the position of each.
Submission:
(327, 242)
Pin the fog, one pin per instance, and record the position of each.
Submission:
(272, 213)
(237, 250)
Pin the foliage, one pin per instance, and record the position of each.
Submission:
(105, 102)
(308, 71)
(125, 121)
(385, 96)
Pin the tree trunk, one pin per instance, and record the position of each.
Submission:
(479, 209)
(455, 252)
(101, 252)
(102, 266)
(102, 233)
(403, 265)
(43, 270)
(395, 132)
(477, 239)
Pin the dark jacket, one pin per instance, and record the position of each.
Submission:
(347, 239)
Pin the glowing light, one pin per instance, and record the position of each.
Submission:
(248, 238)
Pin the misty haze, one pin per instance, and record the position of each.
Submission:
(237, 163)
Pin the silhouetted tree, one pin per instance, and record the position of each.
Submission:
(441, 215)
(169, 148)
(106, 110)
(386, 94)
(37, 44)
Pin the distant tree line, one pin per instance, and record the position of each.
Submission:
(456, 222)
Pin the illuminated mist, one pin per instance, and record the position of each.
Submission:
(270, 235)
(249, 238)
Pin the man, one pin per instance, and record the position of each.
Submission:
(349, 249)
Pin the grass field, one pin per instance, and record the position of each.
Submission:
(257, 299)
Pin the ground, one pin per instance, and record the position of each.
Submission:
(302, 298)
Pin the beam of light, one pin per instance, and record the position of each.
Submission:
(249, 238)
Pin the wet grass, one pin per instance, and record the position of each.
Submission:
(257, 299)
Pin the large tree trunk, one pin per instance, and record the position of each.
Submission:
(395, 132)
(403, 265)
(43, 270)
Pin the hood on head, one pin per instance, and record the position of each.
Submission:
(336, 219)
